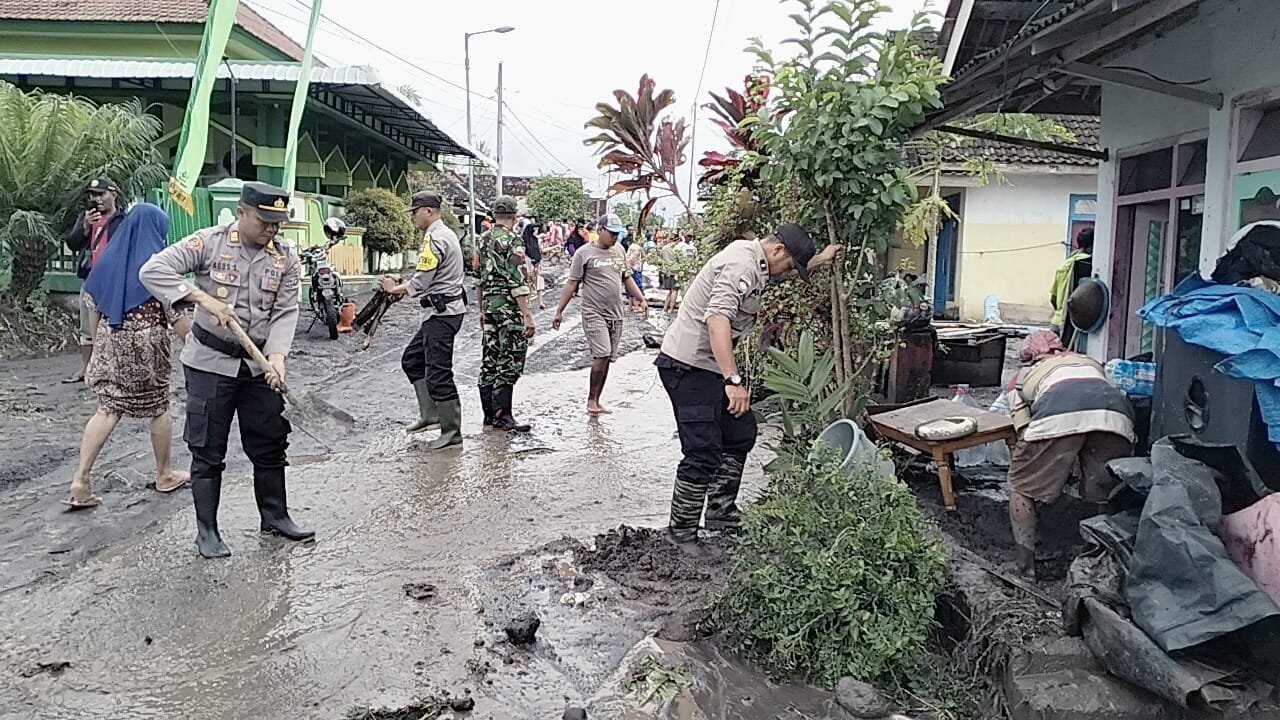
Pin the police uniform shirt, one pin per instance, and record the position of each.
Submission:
(260, 285)
(439, 270)
(729, 285)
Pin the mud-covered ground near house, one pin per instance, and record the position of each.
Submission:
(421, 560)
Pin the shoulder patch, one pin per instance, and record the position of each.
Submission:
(744, 287)
(427, 259)
(194, 242)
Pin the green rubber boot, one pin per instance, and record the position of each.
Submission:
(450, 425)
(427, 417)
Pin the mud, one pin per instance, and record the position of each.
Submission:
(980, 521)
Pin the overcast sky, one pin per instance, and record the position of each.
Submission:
(562, 58)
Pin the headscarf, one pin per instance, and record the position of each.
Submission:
(1040, 345)
(113, 283)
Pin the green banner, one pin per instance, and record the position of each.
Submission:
(195, 126)
(299, 103)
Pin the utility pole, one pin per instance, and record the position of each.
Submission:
(471, 166)
(498, 180)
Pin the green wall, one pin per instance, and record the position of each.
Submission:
(122, 40)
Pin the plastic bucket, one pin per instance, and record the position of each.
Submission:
(852, 445)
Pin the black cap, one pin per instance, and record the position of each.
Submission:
(425, 199)
(101, 184)
(271, 203)
(798, 244)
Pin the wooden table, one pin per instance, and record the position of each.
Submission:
(900, 426)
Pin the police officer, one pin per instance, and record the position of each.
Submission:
(710, 398)
(242, 274)
(437, 285)
(506, 320)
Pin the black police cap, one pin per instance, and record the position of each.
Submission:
(270, 202)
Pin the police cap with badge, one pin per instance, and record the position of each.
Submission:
(100, 185)
(268, 201)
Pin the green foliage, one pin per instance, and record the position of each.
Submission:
(557, 197)
(850, 99)
(804, 383)
(652, 679)
(51, 146)
(629, 213)
(835, 573)
(387, 228)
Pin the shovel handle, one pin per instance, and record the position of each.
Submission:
(253, 350)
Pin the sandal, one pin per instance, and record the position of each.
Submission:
(184, 479)
(73, 503)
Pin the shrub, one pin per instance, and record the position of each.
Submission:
(381, 213)
(834, 574)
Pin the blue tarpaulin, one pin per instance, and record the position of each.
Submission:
(1242, 323)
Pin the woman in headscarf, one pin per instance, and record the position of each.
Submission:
(533, 261)
(1064, 411)
(130, 368)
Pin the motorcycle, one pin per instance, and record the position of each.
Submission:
(326, 283)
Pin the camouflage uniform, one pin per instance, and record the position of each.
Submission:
(504, 346)
(502, 282)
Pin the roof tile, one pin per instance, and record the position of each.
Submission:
(168, 11)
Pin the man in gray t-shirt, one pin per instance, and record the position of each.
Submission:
(599, 271)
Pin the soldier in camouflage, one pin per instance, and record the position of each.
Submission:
(506, 321)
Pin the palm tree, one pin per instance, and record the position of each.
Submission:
(50, 147)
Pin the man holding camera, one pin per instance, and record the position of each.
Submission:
(437, 285)
(87, 238)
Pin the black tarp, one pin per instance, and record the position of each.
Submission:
(1181, 618)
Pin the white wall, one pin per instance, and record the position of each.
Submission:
(1013, 238)
(1235, 43)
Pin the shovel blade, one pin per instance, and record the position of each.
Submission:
(317, 417)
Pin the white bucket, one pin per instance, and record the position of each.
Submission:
(854, 447)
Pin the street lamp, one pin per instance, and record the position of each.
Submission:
(471, 166)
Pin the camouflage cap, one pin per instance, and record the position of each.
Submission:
(505, 205)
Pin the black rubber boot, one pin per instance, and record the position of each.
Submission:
(427, 414)
(450, 425)
(723, 514)
(503, 419)
(486, 404)
(268, 487)
(206, 492)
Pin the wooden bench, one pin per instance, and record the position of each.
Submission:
(900, 426)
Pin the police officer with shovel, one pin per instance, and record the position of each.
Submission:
(710, 398)
(437, 285)
(242, 274)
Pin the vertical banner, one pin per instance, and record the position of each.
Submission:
(195, 126)
(299, 104)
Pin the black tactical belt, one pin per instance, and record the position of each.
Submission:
(439, 302)
(213, 342)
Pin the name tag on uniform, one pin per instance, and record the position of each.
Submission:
(226, 277)
(271, 284)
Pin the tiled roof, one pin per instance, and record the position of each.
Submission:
(1031, 27)
(1084, 127)
(147, 11)
(514, 185)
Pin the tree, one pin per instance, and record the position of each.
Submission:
(51, 146)
(387, 228)
(635, 142)
(629, 213)
(847, 102)
(557, 197)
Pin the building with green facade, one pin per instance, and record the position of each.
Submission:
(356, 133)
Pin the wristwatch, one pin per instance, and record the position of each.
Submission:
(734, 379)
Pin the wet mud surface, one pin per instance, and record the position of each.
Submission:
(420, 562)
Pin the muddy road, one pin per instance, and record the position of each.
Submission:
(109, 613)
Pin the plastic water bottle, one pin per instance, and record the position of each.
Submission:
(974, 456)
(998, 452)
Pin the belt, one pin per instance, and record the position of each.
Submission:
(217, 344)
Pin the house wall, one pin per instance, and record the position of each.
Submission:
(1234, 44)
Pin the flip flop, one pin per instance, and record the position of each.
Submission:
(175, 488)
(90, 502)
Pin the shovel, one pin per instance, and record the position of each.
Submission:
(313, 416)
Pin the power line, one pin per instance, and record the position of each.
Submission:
(693, 126)
(545, 149)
